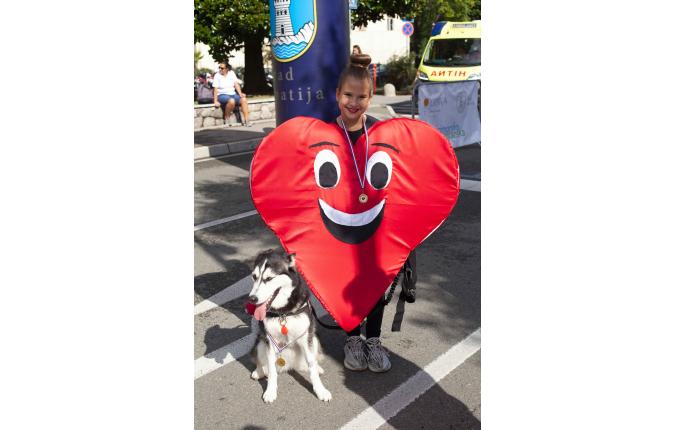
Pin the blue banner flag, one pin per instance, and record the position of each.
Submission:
(310, 46)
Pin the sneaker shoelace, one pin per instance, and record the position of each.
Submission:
(355, 348)
(376, 350)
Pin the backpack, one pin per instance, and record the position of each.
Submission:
(408, 290)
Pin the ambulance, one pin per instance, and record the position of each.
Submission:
(452, 53)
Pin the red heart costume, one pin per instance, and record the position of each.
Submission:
(306, 188)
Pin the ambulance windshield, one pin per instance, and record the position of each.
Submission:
(453, 53)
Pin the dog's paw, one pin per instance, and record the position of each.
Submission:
(255, 375)
(323, 394)
(270, 395)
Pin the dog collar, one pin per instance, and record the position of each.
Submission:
(290, 314)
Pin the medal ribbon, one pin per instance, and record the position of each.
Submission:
(362, 181)
(277, 348)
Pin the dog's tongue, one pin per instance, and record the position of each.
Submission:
(260, 311)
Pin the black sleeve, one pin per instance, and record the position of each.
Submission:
(370, 120)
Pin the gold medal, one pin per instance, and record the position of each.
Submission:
(281, 362)
(363, 198)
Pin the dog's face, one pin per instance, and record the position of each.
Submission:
(272, 283)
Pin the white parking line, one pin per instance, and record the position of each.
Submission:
(225, 355)
(220, 157)
(469, 185)
(234, 291)
(224, 220)
(415, 386)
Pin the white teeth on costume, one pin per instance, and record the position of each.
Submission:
(351, 220)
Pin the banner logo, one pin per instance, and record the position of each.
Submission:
(293, 27)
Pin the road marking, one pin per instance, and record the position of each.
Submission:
(218, 157)
(415, 386)
(225, 355)
(225, 220)
(234, 291)
(469, 185)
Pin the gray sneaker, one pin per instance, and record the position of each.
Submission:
(378, 357)
(355, 358)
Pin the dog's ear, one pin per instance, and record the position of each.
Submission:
(291, 260)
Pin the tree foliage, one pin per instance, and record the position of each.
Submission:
(375, 10)
(198, 58)
(225, 24)
(430, 11)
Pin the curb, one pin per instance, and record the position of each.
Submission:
(226, 148)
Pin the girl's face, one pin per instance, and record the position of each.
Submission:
(353, 99)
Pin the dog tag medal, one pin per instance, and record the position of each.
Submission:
(281, 362)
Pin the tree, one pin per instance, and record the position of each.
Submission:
(431, 11)
(198, 58)
(227, 26)
(375, 10)
(475, 11)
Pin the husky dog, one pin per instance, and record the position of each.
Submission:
(287, 331)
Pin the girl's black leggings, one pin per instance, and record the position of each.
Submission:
(373, 321)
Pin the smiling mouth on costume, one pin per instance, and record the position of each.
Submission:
(351, 228)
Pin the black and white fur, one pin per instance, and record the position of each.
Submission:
(277, 283)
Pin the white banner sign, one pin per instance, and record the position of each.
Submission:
(452, 108)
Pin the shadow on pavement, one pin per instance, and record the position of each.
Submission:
(228, 135)
(207, 284)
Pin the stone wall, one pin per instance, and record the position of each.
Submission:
(208, 116)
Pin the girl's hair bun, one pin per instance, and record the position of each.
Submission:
(359, 60)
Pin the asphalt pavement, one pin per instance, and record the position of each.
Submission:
(435, 377)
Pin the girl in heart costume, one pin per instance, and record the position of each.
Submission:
(352, 199)
(353, 95)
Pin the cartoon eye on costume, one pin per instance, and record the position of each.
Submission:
(326, 169)
(379, 170)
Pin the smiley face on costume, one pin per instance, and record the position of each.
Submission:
(307, 189)
(353, 228)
